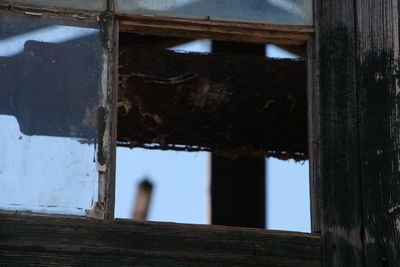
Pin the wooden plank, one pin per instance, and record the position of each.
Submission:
(359, 176)
(377, 72)
(314, 138)
(113, 93)
(43, 11)
(104, 207)
(336, 178)
(48, 241)
(204, 101)
(217, 30)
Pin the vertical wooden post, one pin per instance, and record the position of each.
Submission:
(378, 92)
(238, 185)
(335, 167)
(355, 132)
(110, 33)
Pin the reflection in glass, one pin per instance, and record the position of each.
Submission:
(294, 12)
(50, 77)
(77, 4)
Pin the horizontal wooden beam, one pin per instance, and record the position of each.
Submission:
(41, 10)
(230, 104)
(47, 240)
(217, 30)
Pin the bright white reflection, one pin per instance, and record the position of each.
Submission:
(276, 52)
(200, 46)
(54, 34)
(45, 174)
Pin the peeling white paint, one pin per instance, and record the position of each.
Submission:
(101, 167)
(104, 79)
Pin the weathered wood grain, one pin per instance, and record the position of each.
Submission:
(230, 104)
(314, 138)
(356, 94)
(378, 89)
(336, 179)
(45, 11)
(217, 30)
(54, 241)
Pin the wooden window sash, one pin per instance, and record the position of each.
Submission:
(104, 208)
(217, 30)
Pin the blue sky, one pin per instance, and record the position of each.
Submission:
(181, 186)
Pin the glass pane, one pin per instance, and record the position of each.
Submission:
(50, 94)
(78, 4)
(294, 12)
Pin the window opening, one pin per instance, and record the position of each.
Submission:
(153, 44)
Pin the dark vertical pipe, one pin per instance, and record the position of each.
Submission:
(238, 191)
(238, 185)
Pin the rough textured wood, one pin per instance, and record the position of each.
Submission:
(355, 78)
(338, 188)
(113, 87)
(37, 10)
(314, 138)
(216, 30)
(378, 73)
(109, 31)
(56, 241)
(229, 104)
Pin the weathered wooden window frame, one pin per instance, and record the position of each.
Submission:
(76, 240)
(104, 208)
(217, 30)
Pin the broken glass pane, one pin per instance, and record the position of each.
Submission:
(293, 12)
(77, 4)
(51, 91)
